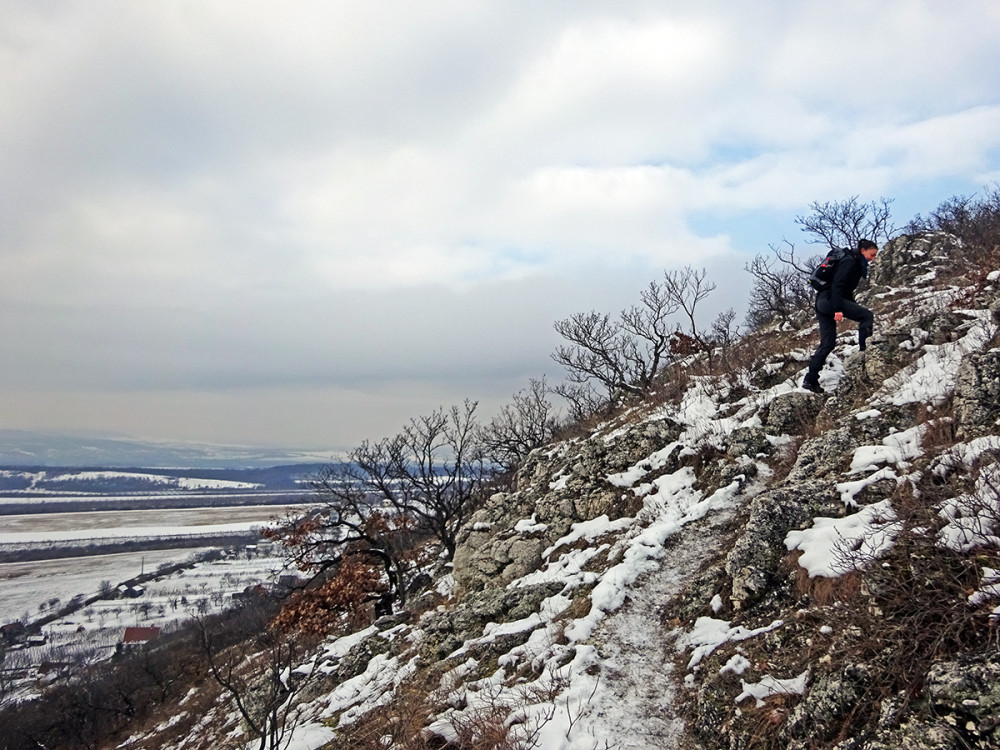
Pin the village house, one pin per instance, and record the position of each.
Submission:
(138, 636)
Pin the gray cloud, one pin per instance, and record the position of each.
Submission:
(232, 222)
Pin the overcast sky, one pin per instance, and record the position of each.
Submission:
(302, 223)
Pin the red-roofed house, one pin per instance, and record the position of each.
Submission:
(134, 635)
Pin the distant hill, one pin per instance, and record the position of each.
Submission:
(28, 481)
(31, 448)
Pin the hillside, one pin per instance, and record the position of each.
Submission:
(734, 563)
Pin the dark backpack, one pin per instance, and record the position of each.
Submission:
(823, 274)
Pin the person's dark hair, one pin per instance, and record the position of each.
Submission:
(867, 245)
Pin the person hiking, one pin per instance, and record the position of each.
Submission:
(836, 302)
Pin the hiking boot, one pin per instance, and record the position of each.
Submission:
(813, 385)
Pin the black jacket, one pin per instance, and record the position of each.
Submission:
(846, 276)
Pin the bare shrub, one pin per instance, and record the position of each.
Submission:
(779, 290)
(610, 360)
(974, 220)
(421, 715)
(907, 606)
(522, 425)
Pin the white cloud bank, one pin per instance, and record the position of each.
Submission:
(315, 198)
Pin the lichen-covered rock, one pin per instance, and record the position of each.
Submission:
(747, 441)
(791, 413)
(713, 709)
(482, 560)
(559, 487)
(752, 563)
(831, 697)
(968, 689)
(886, 354)
(446, 630)
(823, 455)
(355, 661)
(913, 260)
(977, 394)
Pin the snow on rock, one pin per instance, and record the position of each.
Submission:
(972, 520)
(737, 664)
(849, 490)
(896, 449)
(667, 512)
(834, 546)
(932, 377)
(621, 537)
(529, 525)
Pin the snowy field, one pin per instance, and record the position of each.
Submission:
(33, 590)
(93, 632)
(25, 587)
(26, 528)
(29, 590)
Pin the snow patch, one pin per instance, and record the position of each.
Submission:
(834, 546)
(769, 686)
(708, 634)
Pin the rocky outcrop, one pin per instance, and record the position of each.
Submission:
(505, 539)
(792, 413)
(752, 563)
(447, 630)
(977, 395)
(690, 570)
(914, 260)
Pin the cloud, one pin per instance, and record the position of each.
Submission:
(226, 198)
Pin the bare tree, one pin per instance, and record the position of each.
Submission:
(685, 289)
(600, 349)
(843, 223)
(779, 290)
(436, 471)
(725, 329)
(623, 355)
(390, 494)
(255, 666)
(351, 524)
(582, 399)
(522, 425)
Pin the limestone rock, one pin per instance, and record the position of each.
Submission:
(791, 413)
(912, 260)
(977, 394)
(969, 690)
(558, 488)
(829, 700)
(752, 563)
(447, 630)
(823, 455)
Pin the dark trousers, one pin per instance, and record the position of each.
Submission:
(828, 330)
